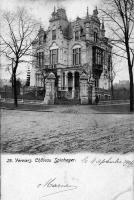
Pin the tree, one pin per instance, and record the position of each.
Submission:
(120, 17)
(115, 69)
(16, 40)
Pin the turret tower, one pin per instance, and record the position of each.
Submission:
(87, 25)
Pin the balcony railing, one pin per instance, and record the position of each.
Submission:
(97, 67)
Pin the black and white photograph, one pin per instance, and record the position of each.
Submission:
(67, 99)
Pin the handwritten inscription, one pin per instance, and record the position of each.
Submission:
(53, 184)
(96, 161)
(110, 160)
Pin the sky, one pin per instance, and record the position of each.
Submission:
(42, 9)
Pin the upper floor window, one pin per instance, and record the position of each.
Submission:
(96, 82)
(95, 36)
(40, 59)
(77, 56)
(97, 56)
(53, 56)
(109, 62)
(104, 57)
(53, 34)
(76, 35)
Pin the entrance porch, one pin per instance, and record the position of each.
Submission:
(70, 85)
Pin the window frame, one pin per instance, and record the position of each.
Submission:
(97, 56)
(54, 34)
(95, 36)
(40, 59)
(53, 56)
(76, 56)
(77, 35)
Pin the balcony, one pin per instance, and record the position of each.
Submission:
(50, 68)
(97, 69)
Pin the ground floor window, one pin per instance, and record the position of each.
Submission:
(39, 80)
(63, 80)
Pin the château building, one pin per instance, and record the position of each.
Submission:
(76, 54)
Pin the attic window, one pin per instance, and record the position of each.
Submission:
(40, 40)
(81, 31)
(76, 35)
(53, 34)
(44, 37)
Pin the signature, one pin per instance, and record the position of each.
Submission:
(52, 184)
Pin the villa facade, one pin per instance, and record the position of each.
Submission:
(77, 54)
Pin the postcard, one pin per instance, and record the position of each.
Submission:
(66, 96)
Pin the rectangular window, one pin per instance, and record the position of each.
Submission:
(96, 83)
(53, 56)
(109, 62)
(76, 35)
(77, 56)
(37, 59)
(95, 36)
(97, 56)
(63, 80)
(40, 59)
(39, 80)
(53, 34)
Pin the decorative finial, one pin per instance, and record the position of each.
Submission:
(103, 27)
(87, 12)
(54, 9)
(95, 12)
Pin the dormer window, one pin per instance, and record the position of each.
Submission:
(53, 34)
(76, 35)
(40, 40)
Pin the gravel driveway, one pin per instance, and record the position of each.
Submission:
(70, 129)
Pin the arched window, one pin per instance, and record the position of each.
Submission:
(53, 34)
(77, 56)
(77, 36)
(53, 56)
